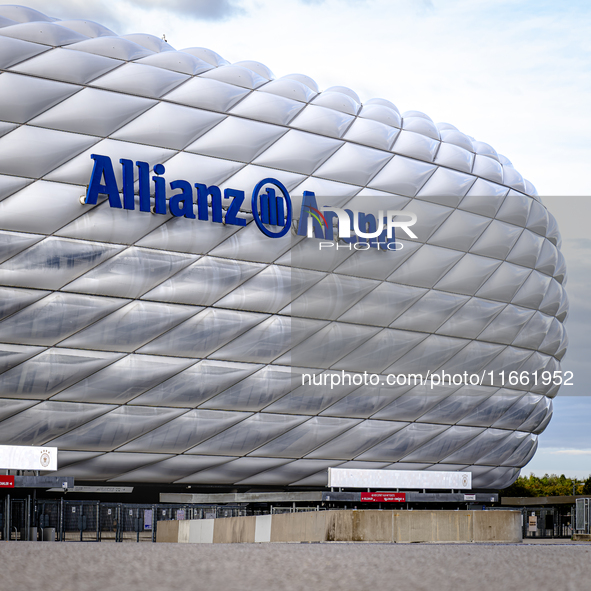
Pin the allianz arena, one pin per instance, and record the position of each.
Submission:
(157, 348)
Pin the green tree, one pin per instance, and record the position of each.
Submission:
(518, 489)
(549, 485)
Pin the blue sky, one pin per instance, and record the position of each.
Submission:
(515, 74)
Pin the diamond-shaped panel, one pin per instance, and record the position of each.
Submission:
(153, 348)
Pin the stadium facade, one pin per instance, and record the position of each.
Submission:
(152, 344)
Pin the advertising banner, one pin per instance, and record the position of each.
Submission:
(16, 457)
(408, 479)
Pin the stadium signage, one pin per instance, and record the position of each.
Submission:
(25, 457)
(383, 497)
(406, 479)
(7, 481)
(271, 209)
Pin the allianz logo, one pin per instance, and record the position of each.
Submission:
(271, 210)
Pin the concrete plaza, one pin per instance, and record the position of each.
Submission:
(32, 566)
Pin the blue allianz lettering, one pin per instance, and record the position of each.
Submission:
(180, 204)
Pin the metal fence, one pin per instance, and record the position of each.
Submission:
(17, 528)
(582, 516)
(94, 521)
(547, 522)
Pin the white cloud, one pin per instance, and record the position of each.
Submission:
(513, 74)
(206, 10)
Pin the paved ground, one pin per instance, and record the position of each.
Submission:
(32, 566)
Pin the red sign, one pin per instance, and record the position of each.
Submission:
(6, 481)
(379, 497)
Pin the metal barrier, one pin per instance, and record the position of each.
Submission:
(80, 521)
(582, 516)
(16, 519)
(19, 523)
(48, 517)
(547, 522)
(109, 520)
(136, 523)
(93, 521)
(292, 509)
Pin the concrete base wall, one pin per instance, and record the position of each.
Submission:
(234, 529)
(349, 526)
(199, 531)
(490, 528)
(168, 531)
(434, 526)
